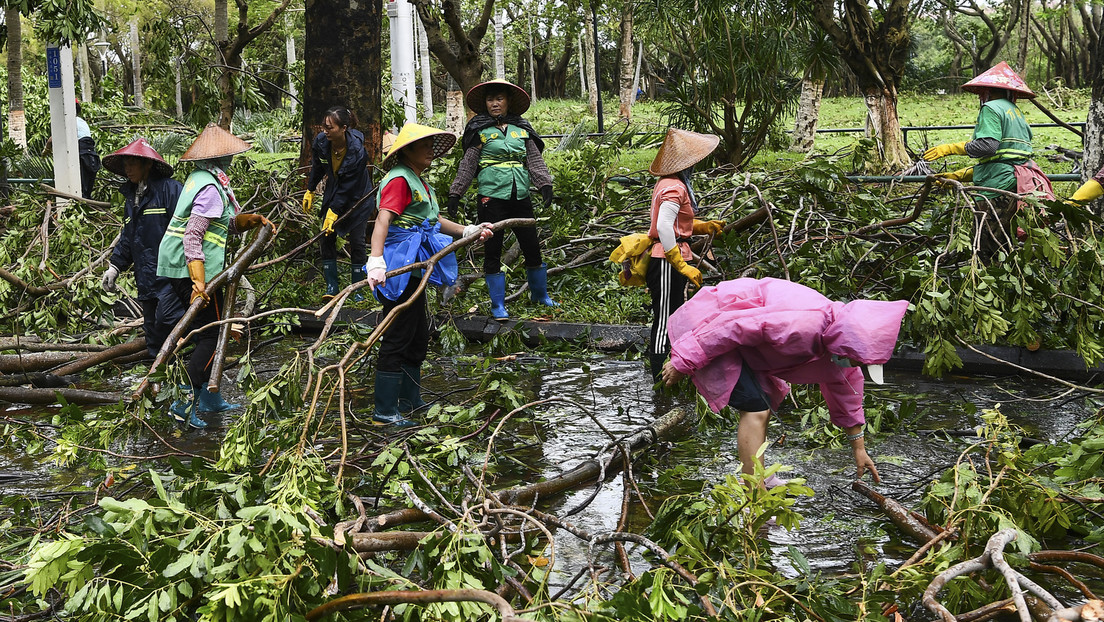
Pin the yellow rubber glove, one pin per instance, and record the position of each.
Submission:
(248, 222)
(328, 222)
(942, 151)
(962, 174)
(1089, 191)
(690, 272)
(308, 201)
(708, 227)
(199, 281)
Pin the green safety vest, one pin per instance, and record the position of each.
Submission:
(997, 170)
(502, 163)
(422, 206)
(171, 262)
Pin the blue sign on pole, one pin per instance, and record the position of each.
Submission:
(53, 67)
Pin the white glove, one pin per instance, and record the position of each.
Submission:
(484, 228)
(376, 269)
(108, 282)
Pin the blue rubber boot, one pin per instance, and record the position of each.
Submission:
(329, 271)
(388, 385)
(184, 411)
(213, 402)
(496, 287)
(359, 275)
(538, 285)
(410, 390)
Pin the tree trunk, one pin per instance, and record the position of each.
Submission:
(85, 72)
(17, 123)
(455, 119)
(883, 125)
(532, 64)
(1025, 36)
(136, 63)
(230, 52)
(179, 89)
(222, 22)
(808, 113)
(333, 28)
(289, 48)
(1094, 122)
(627, 92)
(460, 54)
(588, 53)
(423, 59)
(500, 47)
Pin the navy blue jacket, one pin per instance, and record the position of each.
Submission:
(143, 227)
(351, 183)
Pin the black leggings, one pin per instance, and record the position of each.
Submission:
(406, 342)
(668, 289)
(174, 301)
(494, 210)
(357, 245)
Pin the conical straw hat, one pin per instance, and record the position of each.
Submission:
(386, 141)
(139, 148)
(476, 99)
(214, 142)
(999, 76)
(412, 133)
(682, 149)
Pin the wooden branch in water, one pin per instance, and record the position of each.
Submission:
(34, 361)
(911, 523)
(134, 346)
(421, 597)
(24, 395)
(219, 360)
(245, 258)
(33, 344)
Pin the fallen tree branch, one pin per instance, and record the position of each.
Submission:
(422, 597)
(25, 395)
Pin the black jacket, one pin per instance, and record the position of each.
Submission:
(344, 190)
(143, 227)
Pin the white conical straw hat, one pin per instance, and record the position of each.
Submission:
(412, 133)
(682, 149)
(214, 142)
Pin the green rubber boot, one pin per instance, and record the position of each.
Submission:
(410, 391)
(388, 385)
(329, 271)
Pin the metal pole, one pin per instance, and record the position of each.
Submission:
(403, 89)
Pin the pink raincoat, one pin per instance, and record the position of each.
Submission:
(785, 332)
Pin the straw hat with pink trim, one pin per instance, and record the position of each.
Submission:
(214, 142)
(114, 162)
(476, 99)
(682, 149)
(999, 76)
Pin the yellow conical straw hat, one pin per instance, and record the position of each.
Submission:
(682, 149)
(214, 142)
(412, 133)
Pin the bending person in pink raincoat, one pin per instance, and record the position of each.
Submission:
(742, 341)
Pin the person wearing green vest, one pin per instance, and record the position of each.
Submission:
(194, 249)
(502, 152)
(409, 229)
(1001, 144)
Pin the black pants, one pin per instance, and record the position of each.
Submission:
(155, 333)
(668, 289)
(406, 342)
(747, 395)
(357, 245)
(172, 303)
(494, 210)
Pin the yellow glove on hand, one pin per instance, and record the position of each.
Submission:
(328, 222)
(962, 174)
(708, 227)
(942, 151)
(690, 272)
(1089, 191)
(199, 281)
(308, 201)
(247, 222)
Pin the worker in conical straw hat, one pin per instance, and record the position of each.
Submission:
(149, 198)
(193, 251)
(408, 229)
(1001, 144)
(674, 206)
(502, 153)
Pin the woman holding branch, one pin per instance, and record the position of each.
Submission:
(193, 250)
(409, 229)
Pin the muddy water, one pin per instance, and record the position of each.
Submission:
(839, 528)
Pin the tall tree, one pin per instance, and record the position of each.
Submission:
(459, 53)
(732, 68)
(983, 44)
(874, 42)
(230, 51)
(342, 66)
(17, 122)
(821, 61)
(627, 68)
(590, 54)
(1093, 17)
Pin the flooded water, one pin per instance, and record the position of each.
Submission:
(839, 527)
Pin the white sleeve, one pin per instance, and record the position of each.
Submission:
(665, 224)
